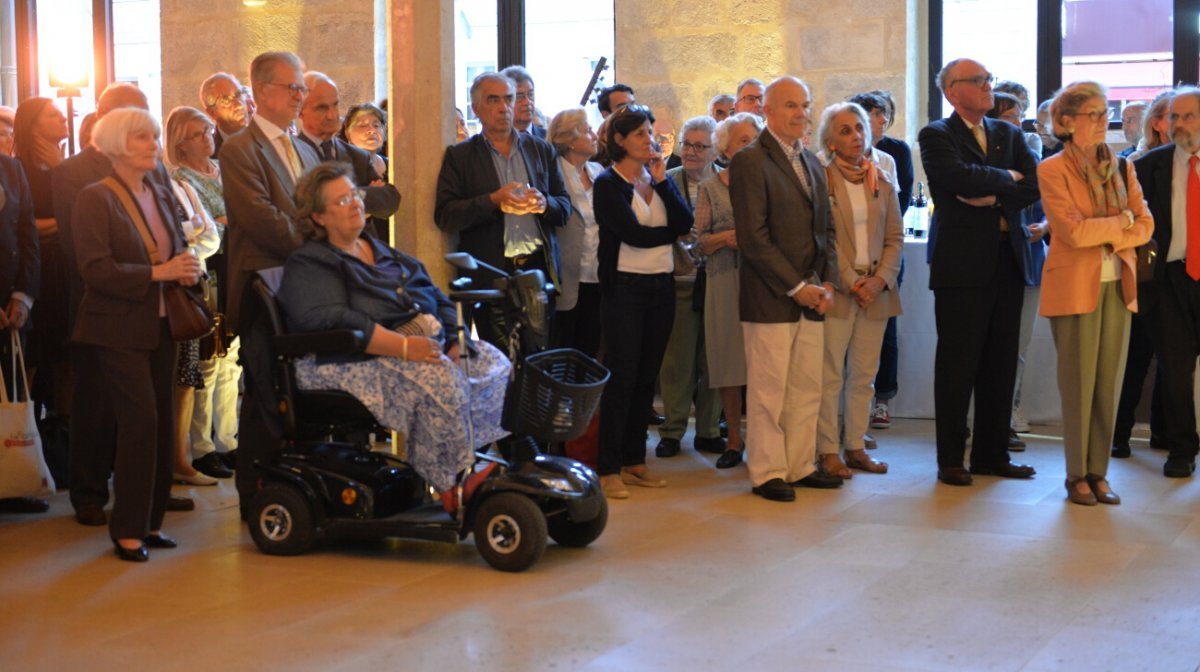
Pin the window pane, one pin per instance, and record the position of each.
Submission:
(136, 53)
(1000, 34)
(1127, 46)
(475, 50)
(563, 43)
(64, 29)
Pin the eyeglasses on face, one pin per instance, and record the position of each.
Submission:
(231, 100)
(209, 131)
(352, 196)
(1094, 115)
(751, 98)
(978, 80)
(696, 147)
(296, 90)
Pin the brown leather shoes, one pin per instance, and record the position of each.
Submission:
(1077, 495)
(1004, 470)
(831, 463)
(858, 459)
(1102, 490)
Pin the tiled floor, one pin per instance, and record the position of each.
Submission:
(892, 572)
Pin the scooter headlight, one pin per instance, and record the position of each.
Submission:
(558, 483)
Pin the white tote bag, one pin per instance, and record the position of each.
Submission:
(23, 471)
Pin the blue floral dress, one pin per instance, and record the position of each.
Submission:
(430, 403)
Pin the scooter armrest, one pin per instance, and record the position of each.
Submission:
(339, 341)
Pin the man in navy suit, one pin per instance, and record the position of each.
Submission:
(525, 111)
(981, 174)
(320, 121)
(502, 192)
(1170, 178)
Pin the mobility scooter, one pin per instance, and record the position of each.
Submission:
(326, 479)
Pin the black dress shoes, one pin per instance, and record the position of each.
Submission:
(180, 504)
(776, 490)
(91, 515)
(955, 476)
(729, 459)
(713, 444)
(228, 459)
(23, 505)
(667, 448)
(819, 479)
(1178, 467)
(1004, 470)
(1121, 450)
(655, 419)
(139, 554)
(210, 465)
(159, 540)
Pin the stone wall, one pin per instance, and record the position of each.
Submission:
(336, 37)
(678, 54)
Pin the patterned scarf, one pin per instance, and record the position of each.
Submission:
(855, 173)
(1100, 172)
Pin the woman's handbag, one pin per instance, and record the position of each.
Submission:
(23, 470)
(187, 315)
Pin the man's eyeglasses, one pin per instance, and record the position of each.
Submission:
(751, 98)
(696, 147)
(978, 80)
(525, 96)
(230, 100)
(354, 195)
(296, 90)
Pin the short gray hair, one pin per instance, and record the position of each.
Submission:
(1069, 99)
(720, 98)
(944, 73)
(111, 135)
(518, 74)
(262, 68)
(703, 123)
(825, 130)
(489, 76)
(565, 128)
(725, 128)
(312, 77)
(747, 82)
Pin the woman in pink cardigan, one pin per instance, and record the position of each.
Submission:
(1097, 216)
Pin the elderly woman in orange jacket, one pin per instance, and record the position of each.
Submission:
(1097, 217)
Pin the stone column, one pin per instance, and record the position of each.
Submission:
(420, 39)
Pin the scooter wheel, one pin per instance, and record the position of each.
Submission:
(281, 521)
(510, 532)
(577, 535)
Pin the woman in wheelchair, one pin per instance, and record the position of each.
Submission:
(408, 376)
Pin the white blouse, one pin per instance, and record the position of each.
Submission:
(647, 260)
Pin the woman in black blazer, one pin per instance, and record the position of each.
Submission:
(640, 213)
(122, 321)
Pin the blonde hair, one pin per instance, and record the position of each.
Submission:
(565, 128)
(177, 123)
(1069, 99)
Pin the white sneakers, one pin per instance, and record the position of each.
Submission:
(1019, 423)
(880, 418)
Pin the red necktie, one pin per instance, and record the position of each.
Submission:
(1193, 220)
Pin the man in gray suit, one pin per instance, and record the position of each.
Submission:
(786, 235)
(259, 169)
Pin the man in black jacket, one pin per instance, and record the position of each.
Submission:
(503, 194)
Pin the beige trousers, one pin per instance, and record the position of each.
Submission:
(852, 347)
(783, 398)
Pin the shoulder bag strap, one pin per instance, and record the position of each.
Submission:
(135, 213)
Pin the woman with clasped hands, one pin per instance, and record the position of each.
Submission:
(122, 322)
(1097, 216)
(870, 242)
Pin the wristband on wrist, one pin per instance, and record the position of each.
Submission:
(404, 353)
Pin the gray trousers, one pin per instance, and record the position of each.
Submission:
(1091, 367)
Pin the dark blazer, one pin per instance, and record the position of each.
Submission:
(612, 201)
(1155, 172)
(120, 303)
(70, 178)
(19, 260)
(382, 201)
(260, 203)
(782, 234)
(466, 181)
(967, 236)
(900, 152)
(324, 288)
